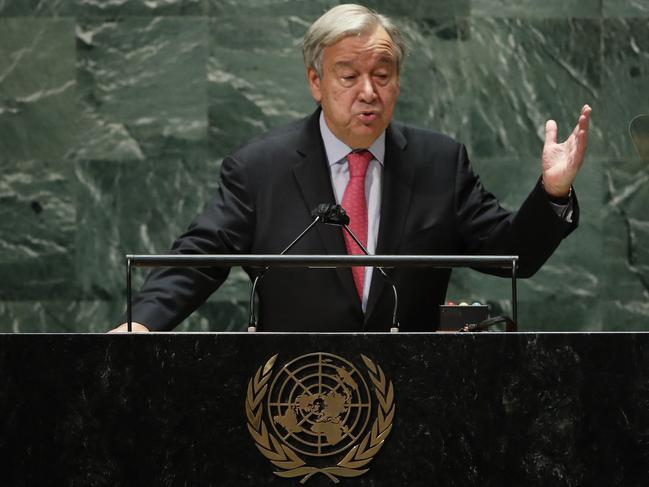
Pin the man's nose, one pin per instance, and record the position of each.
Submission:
(367, 90)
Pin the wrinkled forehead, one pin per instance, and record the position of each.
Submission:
(374, 31)
(372, 44)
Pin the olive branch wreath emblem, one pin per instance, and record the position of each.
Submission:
(286, 459)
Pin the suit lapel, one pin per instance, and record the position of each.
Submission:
(314, 182)
(398, 175)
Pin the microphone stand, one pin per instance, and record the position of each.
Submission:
(332, 215)
(336, 215)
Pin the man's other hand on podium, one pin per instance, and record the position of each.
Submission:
(137, 328)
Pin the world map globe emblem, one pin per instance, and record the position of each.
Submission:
(319, 404)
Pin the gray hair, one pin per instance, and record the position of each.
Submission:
(344, 21)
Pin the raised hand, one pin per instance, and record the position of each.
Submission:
(123, 328)
(561, 161)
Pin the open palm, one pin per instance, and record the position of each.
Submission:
(561, 161)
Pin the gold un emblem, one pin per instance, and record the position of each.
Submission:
(319, 407)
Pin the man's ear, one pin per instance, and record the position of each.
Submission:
(314, 84)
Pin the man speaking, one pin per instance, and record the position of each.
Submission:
(407, 191)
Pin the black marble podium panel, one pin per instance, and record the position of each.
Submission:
(168, 409)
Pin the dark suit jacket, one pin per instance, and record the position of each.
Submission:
(432, 203)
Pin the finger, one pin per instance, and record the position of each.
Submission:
(582, 140)
(580, 148)
(582, 123)
(584, 126)
(583, 120)
(574, 133)
(550, 132)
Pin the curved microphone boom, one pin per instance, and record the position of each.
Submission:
(253, 322)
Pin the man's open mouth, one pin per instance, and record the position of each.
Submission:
(368, 116)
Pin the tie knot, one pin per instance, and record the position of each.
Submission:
(358, 162)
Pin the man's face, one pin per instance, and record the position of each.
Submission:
(358, 87)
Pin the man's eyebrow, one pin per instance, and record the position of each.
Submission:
(387, 58)
(346, 64)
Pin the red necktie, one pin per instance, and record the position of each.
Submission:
(356, 207)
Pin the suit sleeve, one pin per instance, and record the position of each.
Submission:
(532, 233)
(226, 226)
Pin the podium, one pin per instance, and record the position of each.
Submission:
(171, 409)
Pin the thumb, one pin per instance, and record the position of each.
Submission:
(550, 132)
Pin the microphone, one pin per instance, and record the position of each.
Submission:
(336, 215)
(331, 214)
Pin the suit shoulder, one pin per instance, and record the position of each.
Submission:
(422, 137)
(271, 144)
(427, 148)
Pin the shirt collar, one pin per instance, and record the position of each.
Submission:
(337, 150)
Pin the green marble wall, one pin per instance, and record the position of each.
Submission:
(115, 115)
